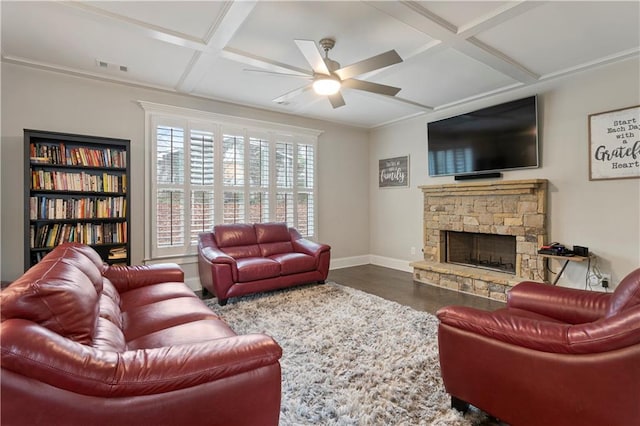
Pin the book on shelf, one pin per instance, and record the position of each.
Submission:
(40, 160)
(77, 156)
(118, 253)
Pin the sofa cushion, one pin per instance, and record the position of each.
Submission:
(294, 263)
(273, 238)
(147, 295)
(272, 232)
(626, 294)
(153, 317)
(239, 252)
(257, 268)
(239, 234)
(191, 332)
(270, 249)
(58, 293)
(108, 337)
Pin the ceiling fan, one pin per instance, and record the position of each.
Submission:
(328, 77)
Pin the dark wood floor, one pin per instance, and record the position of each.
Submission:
(400, 287)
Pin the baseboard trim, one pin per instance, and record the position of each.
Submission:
(193, 283)
(388, 262)
(347, 262)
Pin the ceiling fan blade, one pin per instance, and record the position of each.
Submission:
(292, 94)
(373, 63)
(336, 100)
(381, 89)
(277, 73)
(311, 53)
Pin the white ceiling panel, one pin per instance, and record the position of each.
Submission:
(51, 34)
(562, 35)
(360, 31)
(444, 77)
(191, 18)
(228, 80)
(453, 51)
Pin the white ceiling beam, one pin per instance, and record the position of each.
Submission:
(220, 33)
(502, 14)
(417, 16)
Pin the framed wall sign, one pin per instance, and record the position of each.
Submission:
(614, 144)
(393, 172)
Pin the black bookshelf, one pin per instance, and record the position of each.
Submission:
(76, 189)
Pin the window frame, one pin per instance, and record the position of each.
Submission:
(189, 119)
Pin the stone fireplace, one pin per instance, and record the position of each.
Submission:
(482, 238)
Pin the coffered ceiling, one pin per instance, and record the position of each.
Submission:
(453, 51)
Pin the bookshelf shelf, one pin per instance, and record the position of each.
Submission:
(76, 190)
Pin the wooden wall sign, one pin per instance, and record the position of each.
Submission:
(614, 144)
(393, 172)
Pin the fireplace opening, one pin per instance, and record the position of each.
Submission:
(488, 251)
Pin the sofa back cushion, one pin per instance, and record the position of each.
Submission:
(273, 238)
(237, 240)
(626, 294)
(60, 293)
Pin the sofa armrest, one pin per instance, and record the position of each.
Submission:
(498, 325)
(126, 278)
(309, 247)
(603, 335)
(568, 305)
(302, 245)
(215, 255)
(36, 352)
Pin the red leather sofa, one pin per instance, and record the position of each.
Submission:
(84, 343)
(239, 259)
(553, 356)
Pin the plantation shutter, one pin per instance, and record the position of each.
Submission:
(305, 179)
(170, 196)
(202, 179)
(233, 178)
(258, 180)
(284, 182)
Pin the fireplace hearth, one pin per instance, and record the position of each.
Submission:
(482, 237)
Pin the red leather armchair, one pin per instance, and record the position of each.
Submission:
(553, 356)
(240, 259)
(85, 343)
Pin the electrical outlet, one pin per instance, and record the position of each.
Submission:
(413, 250)
(605, 280)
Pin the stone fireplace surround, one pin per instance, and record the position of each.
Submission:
(516, 207)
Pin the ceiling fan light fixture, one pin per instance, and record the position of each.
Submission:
(326, 85)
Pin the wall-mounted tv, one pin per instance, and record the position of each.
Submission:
(496, 138)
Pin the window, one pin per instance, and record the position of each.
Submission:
(208, 169)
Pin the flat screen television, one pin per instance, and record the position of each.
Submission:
(492, 139)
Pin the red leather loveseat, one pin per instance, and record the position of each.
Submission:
(239, 259)
(553, 356)
(84, 343)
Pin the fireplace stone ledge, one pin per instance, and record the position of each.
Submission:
(466, 279)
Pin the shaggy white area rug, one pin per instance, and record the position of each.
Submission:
(349, 358)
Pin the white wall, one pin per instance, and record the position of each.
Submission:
(360, 221)
(602, 215)
(44, 100)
